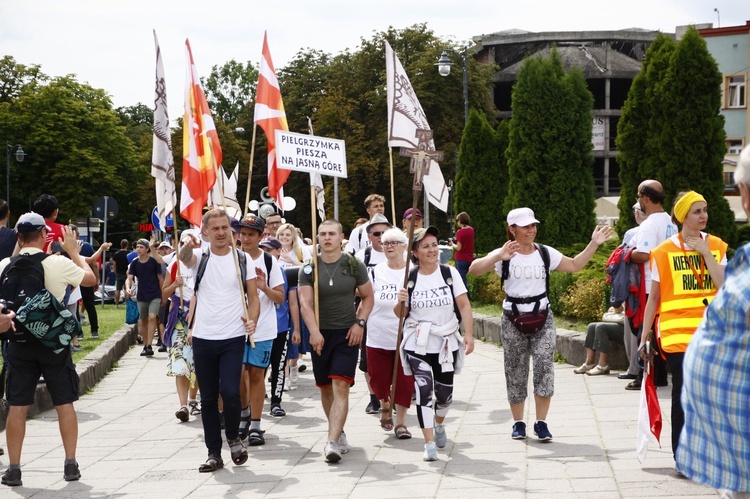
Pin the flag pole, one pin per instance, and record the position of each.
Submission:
(234, 249)
(250, 171)
(393, 195)
(313, 216)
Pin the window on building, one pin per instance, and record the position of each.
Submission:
(734, 146)
(735, 93)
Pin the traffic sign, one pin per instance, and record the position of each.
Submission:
(155, 219)
(107, 204)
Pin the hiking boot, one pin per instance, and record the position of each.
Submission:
(440, 437)
(598, 371)
(331, 452)
(542, 432)
(430, 452)
(519, 431)
(71, 473)
(12, 478)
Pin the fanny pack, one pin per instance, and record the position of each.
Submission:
(529, 322)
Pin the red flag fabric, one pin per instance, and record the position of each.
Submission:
(649, 416)
(201, 149)
(270, 116)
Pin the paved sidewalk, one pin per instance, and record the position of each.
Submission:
(131, 445)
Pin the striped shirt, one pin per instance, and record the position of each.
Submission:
(715, 441)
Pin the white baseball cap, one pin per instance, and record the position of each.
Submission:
(521, 217)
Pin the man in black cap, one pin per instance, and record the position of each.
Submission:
(28, 360)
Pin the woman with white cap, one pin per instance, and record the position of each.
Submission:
(527, 324)
(687, 271)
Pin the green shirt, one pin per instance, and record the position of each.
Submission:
(336, 287)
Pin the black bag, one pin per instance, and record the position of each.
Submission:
(22, 279)
(530, 322)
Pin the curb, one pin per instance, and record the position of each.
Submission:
(90, 370)
(569, 343)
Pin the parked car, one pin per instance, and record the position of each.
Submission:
(109, 293)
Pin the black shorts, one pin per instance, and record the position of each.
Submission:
(338, 360)
(27, 361)
(120, 281)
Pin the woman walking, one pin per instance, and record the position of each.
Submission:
(687, 270)
(527, 325)
(432, 349)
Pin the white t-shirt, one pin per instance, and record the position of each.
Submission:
(527, 277)
(656, 229)
(358, 239)
(676, 241)
(431, 302)
(628, 239)
(75, 295)
(376, 257)
(382, 324)
(306, 255)
(267, 327)
(219, 309)
(188, 280)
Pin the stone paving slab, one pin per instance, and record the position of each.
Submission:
(131, 445)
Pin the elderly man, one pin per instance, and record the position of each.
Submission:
(28, 360)
(715, 442)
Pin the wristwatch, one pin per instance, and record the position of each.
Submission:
(361, 322)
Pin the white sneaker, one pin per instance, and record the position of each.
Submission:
(440, 437)
(343, 443)
(287, 385)
(332, 452)
(294, 374)
(430, 452)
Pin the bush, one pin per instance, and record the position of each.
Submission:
(486, 288)
(585, 300)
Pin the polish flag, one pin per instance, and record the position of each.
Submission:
(270, 116)
(649, 416)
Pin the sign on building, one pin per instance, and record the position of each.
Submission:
(598, 133)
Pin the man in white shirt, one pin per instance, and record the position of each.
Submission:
(219, 328)
(374, 204)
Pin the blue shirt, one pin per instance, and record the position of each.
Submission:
(715, 441)
(282, 310)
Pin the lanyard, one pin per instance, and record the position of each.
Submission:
(692, 268)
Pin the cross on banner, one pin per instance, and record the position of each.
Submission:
(421, 157)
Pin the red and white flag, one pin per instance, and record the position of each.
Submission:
(405, 116)
(201, 149)
(162, 162)
(649, 416)
(270, 116)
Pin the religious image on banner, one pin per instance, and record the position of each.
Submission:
(405, 117)
(162, 162)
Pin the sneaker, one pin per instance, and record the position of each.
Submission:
(80, 335)
(150, 350)
(440, 437)
(163, 348)
(519, 431)
(332, 452)
(343, 443)
(430, 452)
(598, 371)
(144, 352)
(302, 368)
(287, 385)
(12, 477)
(71, 473)
(584, 368)
(255, 438)
(183, 414)
(277, 411)
(541, 431)
(94, 334)
(371, 409)
(294, 374)
(195, 409)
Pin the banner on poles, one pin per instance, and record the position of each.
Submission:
(308, 153)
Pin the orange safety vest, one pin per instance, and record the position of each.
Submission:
(681, 307)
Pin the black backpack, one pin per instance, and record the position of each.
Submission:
(21, 280)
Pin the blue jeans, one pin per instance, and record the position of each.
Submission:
(463, 270)
(218, 366)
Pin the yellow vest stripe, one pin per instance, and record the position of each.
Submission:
(684, 303)
(679, 323)
(675, 339)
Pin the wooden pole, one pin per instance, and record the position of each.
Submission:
(313, 210)
(250, 171)
(393, 195)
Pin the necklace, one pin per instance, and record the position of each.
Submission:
(330, 277)
(692, 269)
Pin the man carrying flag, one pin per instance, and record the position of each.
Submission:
(270, 116)
(201, 148)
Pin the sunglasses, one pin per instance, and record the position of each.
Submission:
(378, 234)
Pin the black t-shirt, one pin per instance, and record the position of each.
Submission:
(148, 273)
(8, 238)
(121, 262)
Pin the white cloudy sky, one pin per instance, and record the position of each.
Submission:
(109, 43)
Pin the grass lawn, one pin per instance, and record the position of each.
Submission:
(110, 320)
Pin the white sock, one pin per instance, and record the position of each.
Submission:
(255, 424)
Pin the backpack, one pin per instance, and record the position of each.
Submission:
(22, 279)
(445, 271)
(241, 255)
(505, 273)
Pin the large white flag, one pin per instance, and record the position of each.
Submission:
(405, 116)
(229, 185)
(162, 162)
(316, 179)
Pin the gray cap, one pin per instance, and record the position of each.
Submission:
(31, 222)
(379, 218)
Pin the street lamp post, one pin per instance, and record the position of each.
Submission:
(444, 68)
(19, 157)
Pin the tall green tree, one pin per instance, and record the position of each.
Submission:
(480, 182)
(634, 140)
(15, 76)
(549, 152)
(230, 89)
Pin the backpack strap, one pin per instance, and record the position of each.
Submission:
(445, 271)
(368, 256)
(544, 253)
(268, 260)
(201, 269)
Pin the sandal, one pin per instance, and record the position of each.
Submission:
(239, 453)
(212, 464)
(402, 432)
(386, 424)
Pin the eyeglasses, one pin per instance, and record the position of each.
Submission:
(274, 223)
(388, 244)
